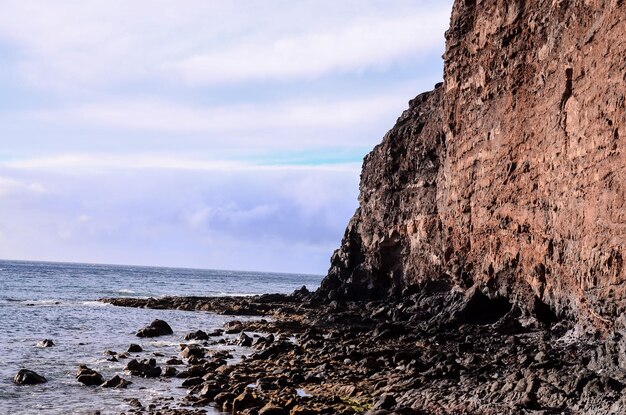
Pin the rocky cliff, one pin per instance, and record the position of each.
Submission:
(509, 176)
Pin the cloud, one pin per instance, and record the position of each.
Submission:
(69, 44)
(361, 45)
(264, 218)
(205, 133)
(10, 186)
(156, 115)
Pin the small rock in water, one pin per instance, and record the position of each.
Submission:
(135, 403)
(197, 335)
(134, 348)
(116, 382)
(146, 369)
(192, 350)
(244, 340)
(88, 376)
(28, 377)
(170, 372)
(45, 343)
(156, 328)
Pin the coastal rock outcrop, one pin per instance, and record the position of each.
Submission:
(508, 176)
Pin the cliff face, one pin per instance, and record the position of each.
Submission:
(509, 176)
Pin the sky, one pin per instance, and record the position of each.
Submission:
(199, 133)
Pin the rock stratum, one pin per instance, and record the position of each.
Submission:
(509, 176)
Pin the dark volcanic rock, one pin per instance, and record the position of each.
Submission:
(156, 328)
(134, 348)
(197, 335)
(145, 368)
(116, 382)
(28, 377)
(88, 376)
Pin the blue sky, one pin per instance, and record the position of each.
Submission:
(199, 133)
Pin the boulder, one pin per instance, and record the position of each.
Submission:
(145, 368)
(156, 328)
(116, 382)
(28, 377)
(197, 335)
(88, 376)
(135, 348)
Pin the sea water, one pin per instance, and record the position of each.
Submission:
(59, 301)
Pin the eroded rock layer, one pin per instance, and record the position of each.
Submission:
(509, 176)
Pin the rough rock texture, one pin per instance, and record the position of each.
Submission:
(509, 176)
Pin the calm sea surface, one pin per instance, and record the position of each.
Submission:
(58, 301)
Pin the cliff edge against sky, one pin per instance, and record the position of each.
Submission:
(509, 175)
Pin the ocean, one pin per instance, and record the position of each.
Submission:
(58, 301)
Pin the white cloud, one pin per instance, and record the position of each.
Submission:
(69, 44)
(229, 219)
(119, 118)
(357, 47)
(159, 116)
(9, 186)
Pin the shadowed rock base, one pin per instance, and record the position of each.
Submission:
(437, 352)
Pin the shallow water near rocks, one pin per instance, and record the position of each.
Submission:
(58, 301)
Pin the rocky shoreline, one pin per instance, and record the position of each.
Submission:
(430, 352)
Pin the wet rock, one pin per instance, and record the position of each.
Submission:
(210, 390)
(192, 350)
(270, 409)
(45, 343)
(191, 382)
(223, 397)
(156, 328)
(170, 372)
(28, 377)
(197, 335)
(244, 340)
(146, 369)
(116, 382)
(233, 327)
(134, 348)
(246, 400)
(88, 376)
(135, 403)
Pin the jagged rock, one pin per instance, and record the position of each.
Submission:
(28, 377)
(156, 328)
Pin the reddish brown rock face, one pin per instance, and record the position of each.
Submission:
(510, 174)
